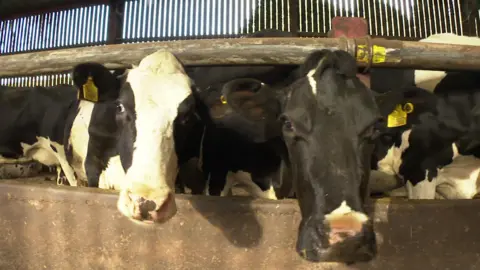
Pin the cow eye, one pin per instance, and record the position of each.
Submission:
(120, 108)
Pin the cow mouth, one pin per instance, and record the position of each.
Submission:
(160, 215)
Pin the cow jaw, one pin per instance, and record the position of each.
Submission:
(159, 85)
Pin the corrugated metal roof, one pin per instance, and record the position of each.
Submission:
(16, 8)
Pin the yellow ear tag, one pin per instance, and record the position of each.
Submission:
(90, 91)
(223, 100)
(398, 117)
(408, 107)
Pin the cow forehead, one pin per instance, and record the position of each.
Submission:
(161, 62)
(160, 79)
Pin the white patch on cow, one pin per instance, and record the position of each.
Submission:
(79, 138)
(229, 183)
(344, 210)
(245, 179)
(390, 164)
(428, 79)
(159, 85)
(311, 80)
(424, 189)
(42, 152)
(457, 180)
(113, 177)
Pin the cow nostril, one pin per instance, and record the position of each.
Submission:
(146, 206)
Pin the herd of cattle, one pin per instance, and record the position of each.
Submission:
(318, 132)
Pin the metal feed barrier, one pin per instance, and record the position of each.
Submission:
(57, 227)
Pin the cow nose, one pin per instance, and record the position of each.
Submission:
(345, 239)
(148, 210)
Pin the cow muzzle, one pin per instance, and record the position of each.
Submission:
(347, 239)
(147, 207)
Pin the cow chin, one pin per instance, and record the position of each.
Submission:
(147, 206)
(346, 238)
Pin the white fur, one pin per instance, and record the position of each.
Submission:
(43, 153)
(79, 138)
(159, 85)
(342, 210)
(457, 180)
(390, 164)
(428, 79)
(245, 179)
(311, 80)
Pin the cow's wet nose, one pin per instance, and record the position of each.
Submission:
(147, 209)
(347, 239)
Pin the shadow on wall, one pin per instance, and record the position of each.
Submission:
(242, 232)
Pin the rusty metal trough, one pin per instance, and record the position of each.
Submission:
(53, 227)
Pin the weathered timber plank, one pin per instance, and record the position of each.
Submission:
(390, 53)
(49, 227)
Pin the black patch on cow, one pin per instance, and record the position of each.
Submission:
(103, 129)
(329, 136)
(126, 123)
(28, 113)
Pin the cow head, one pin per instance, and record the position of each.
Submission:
(136, 128)
(327, 119)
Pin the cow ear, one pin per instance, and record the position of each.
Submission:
(321, 60)
(186, 110)
(257, 106)
(252, 99)
(95, 82)
(386, 102)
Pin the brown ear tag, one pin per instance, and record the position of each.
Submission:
(90, 91)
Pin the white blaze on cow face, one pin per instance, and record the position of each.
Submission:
(311, 77)
(159, 85)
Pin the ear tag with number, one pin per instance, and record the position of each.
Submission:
(90, 91)
(398, 117)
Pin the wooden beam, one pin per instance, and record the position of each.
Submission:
(48, 227)
(386, 53)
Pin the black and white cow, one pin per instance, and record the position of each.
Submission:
(32, 125)
(225, 156)
(121, 134)
(326, 119)
(434, 149)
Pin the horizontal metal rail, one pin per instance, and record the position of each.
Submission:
(376, 52)
(49, 227)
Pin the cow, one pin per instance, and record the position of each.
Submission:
(225, 157)
(433, 149)
(326, 120)
(32, 126)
